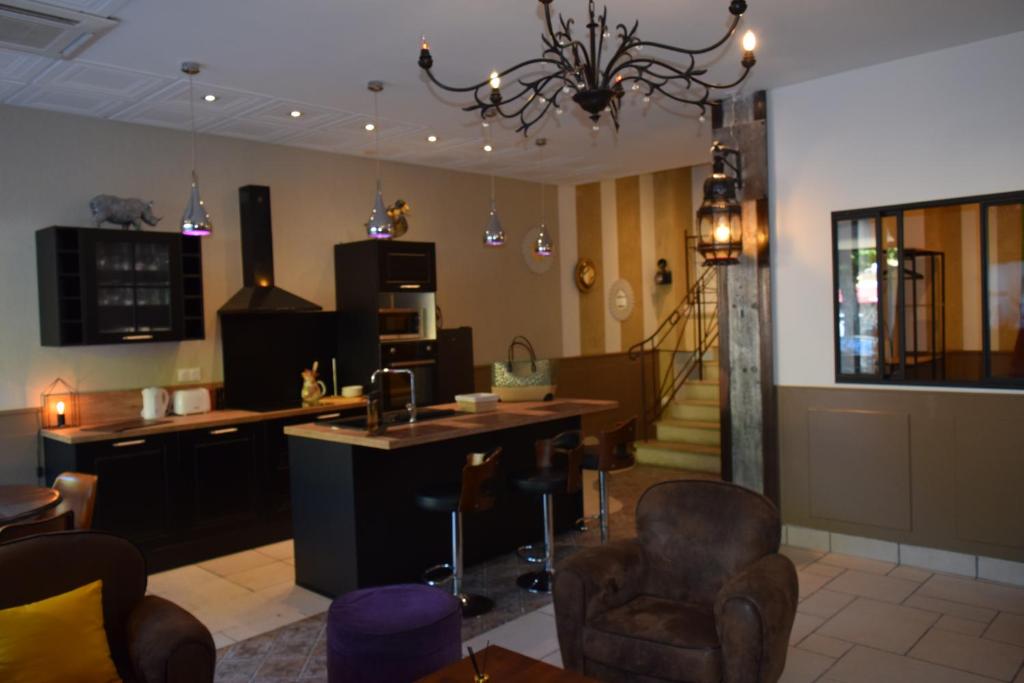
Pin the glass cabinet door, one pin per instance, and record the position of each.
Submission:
(1005, 281)
(857, 301)
(133, 295)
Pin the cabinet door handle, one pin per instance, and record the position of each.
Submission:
(125, 444)
(136, 337)
(225, 430)
(328, 416)
(412, 364)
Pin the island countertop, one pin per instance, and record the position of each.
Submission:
(507, 415)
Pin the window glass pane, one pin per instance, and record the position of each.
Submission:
(888, 297)
(941, 270)
(1005, 277)
(857, 295)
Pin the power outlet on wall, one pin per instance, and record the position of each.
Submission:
(189, 375)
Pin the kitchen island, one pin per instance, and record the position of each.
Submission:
(354, 517)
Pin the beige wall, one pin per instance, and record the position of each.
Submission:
(624, 226)
(51, 164)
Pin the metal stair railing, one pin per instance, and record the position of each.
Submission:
(688, 325)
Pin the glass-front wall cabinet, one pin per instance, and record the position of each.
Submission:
(931, 293)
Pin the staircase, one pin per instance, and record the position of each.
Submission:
(679, 365)
(688, 433)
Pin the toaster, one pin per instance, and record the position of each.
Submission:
(191, 401)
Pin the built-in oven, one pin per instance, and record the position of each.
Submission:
(397, 324)
(420, 358)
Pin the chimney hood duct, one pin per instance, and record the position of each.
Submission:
(258, 293)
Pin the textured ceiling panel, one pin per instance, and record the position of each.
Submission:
(8, 88)
(80, 76)
(20, 67)
(81, 102)
(103, 8)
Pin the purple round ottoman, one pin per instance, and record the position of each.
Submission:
(392, 634)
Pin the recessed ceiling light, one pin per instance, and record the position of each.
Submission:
(487, 148)
(370, 127)
(431, 138)
(296, 114)
(210, 98)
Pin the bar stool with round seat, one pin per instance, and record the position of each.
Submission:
(549, 478)
(614, 451)
(476, 492)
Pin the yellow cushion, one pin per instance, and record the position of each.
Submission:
(57, 640)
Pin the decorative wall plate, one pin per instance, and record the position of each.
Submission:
(586, 274)
(538, 264)
(620, 300)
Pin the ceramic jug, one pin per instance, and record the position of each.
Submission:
(154, 402)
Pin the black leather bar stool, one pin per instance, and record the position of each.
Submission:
(475, 493)
(550, 477)
(614, 451)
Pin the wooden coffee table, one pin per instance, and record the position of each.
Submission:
(504, 666)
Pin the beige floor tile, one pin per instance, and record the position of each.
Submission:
(965, 627)
(910, 573)
(176, 579)
(279, 551)
(862, 564)
(884, 588)
(973, 592)
(1007, 628)
(803, 625)
(809, 583)
(220, 640)
(532, 634)
(209, 594)
(956, 609)
(554, 659)
(305, 601)
(823, 569)
(824, 603)
(823, 645)
(879, 625)
(801, 556)
(977, 655)
(236, 562)
(803, 666)
(265, 576)
(866, 665)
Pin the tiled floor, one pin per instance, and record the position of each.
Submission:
(858, 620)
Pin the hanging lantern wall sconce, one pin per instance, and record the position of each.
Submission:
(720, 217)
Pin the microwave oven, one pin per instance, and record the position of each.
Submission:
(400, 324)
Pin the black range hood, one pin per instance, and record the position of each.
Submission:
(258, 293)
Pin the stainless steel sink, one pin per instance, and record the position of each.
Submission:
(394, 419)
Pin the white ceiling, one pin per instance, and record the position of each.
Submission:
(264, 58)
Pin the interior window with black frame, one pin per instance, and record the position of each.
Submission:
(931, 293)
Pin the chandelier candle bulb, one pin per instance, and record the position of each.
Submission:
(749, 41)
(495, 80)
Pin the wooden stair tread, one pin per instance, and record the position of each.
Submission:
(696, 402)
(690, 424)
(681, 446)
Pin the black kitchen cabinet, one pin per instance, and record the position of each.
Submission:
(374, 266)
(118, 286)
(277, 481)
(139, 484)
(187, 496)
(220, 470)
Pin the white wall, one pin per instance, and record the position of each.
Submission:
(51, 164)
(939, 125)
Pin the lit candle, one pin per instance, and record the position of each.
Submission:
(60, 413)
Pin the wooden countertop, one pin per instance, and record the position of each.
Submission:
(506, 416)
(180, 423)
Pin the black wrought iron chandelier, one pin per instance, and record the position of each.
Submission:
(576, 69)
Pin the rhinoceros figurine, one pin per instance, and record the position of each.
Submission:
(123, 212)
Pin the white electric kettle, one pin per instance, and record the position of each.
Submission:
(154, 402)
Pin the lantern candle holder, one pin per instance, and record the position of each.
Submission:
(720, 218)
(58, 406)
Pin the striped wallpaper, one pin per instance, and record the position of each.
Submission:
(624, 226)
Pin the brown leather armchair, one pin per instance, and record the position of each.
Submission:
(701, 595)
(151, 639)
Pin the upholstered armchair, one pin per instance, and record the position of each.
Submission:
(701, 595)
(151, 639)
